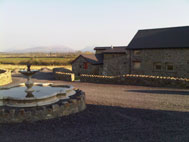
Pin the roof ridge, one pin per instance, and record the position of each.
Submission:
(164, 28)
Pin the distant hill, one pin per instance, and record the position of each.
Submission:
(43, 49)
(89, 49)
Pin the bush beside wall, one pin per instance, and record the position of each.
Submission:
(5, 77)
(142, 80)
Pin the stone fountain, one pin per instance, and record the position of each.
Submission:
(29, 83)
(38, 101)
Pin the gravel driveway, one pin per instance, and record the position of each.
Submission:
(115, 113)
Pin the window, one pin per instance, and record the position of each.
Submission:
(169, 67)
(157, 66)
(85, 66)
(137, 52)
(136, 65)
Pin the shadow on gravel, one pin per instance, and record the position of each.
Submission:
(103, 124)
(44, 76)
(171, 92)
(18, 75)
(38, 76)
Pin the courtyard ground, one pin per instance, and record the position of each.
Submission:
(115, 113)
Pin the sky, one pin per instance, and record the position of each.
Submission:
(84, 23)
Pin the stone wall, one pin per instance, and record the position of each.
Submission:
(64, 76)
(78, 67)
(5, 77)
(179, 58)
(62, 70)
(143, 80)
(115, 64)
(62, 108)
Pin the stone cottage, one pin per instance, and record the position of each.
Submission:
(87, 64)
(161, 52)
(105, 61)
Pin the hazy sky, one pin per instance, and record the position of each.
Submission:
(82, 23)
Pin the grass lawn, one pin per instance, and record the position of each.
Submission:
(36, 61)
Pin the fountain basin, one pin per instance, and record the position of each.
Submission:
(28, 73)
(48, 101)
(43, 95)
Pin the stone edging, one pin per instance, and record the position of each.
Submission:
(5, 77)
(143, 80)
(75, 104)
(64, 76)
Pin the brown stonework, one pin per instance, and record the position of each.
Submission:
(115, 64)
(78, 67)
(144, 80)
(64, 76)
(59, 109)
(179, 58)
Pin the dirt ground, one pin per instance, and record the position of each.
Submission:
(115, 113)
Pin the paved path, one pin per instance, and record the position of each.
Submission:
(116, 113)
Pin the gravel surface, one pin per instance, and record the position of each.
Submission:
(115, 113)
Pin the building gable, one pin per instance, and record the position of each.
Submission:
(75, 60)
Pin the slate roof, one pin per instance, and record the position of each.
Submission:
(116, 50)
(121, 47)
(175, 37)
(94, 59)
(102, 48)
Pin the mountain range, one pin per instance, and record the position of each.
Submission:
(43, 49)
(89, 49)
(49, 49)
